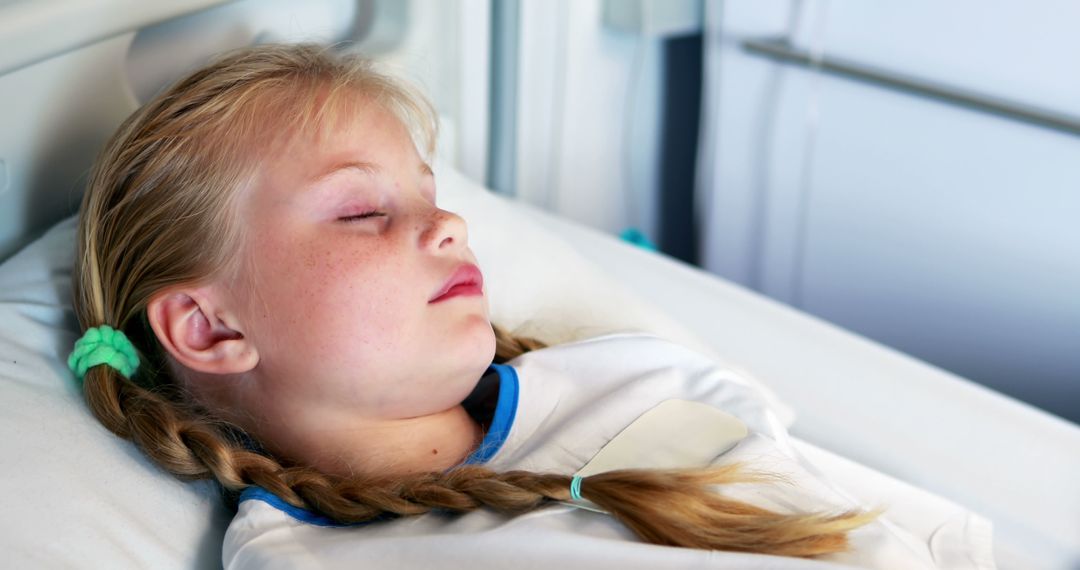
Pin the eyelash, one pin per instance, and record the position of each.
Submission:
(364, 216)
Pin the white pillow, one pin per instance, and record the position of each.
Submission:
(75, 495)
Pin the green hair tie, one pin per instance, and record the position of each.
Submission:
(103, 345)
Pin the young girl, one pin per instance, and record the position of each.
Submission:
(272, 299)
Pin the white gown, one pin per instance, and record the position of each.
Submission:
(557, 407)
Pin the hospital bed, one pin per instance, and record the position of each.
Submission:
(76, 496)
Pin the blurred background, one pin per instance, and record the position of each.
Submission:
(907, 170)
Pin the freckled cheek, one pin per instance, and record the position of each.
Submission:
(351, 307)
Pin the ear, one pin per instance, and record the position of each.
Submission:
(199, 332)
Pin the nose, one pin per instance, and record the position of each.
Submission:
(444, 231)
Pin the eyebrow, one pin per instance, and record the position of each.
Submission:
(364, 167)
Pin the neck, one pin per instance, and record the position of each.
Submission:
(345, 445)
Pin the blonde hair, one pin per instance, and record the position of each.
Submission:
(158, 212)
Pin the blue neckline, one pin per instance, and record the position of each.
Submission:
(503, 419)
(501, 423)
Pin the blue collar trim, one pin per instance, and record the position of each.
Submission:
(503, 420)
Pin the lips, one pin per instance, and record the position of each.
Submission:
(466, 280)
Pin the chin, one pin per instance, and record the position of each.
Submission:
(485, 343)
(471, 347)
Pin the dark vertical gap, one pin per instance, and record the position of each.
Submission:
(678, 146)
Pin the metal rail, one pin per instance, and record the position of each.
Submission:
(782, 51)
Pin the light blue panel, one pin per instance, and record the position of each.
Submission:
(741, 93)
(950, 235)
(945, 232)
(1024, 51)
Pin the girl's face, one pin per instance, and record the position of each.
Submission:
(345, 250)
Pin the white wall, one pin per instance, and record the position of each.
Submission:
(588, 116)
(945, 232)
(446, 50)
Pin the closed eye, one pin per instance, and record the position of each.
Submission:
(358, 217)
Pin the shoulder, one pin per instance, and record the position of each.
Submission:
(618, 355)
(630, 372)
(618, 346)
(624, 365)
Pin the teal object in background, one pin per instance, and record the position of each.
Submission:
(636, 237)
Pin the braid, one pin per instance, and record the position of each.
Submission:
(673, 508)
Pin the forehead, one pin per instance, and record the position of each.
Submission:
(361, 137)
(359, 127)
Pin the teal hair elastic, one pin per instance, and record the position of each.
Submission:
(638, 238)
(103, 345)
(575, 488)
